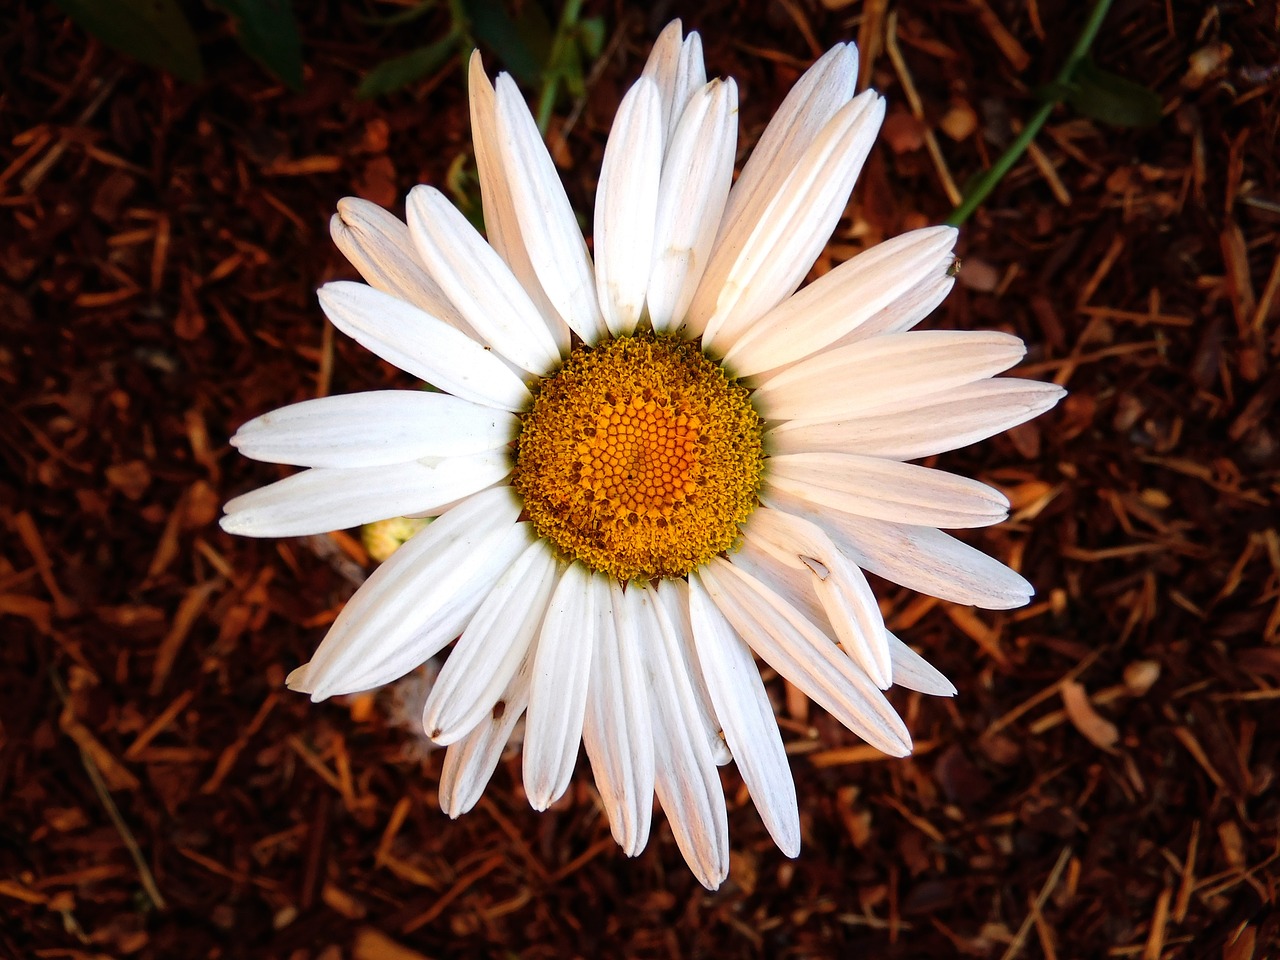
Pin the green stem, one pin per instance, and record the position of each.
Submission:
(987, 182)
(551, 72)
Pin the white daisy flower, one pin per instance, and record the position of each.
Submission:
(651, 468)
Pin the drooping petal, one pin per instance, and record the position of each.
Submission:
(479, 283)
(840, 586)
(852, 380)
(627, 207)
(618, 729)
(502, 229)
(377, 244)
(547, 224)
(887, 490)
(923, 559)
(492, 647)
(419, 599)
(816, 97)
(686, 779)
(766, 266)
(743, 709)
(558, 691)
(842, 300)
(324, 498)
(696, 176)
(923, 426)
(782, 637)
(673, 596)
(470, 762)
(420, 344)
(914, 672)
(374, 429)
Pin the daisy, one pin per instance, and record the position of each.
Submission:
(649, 468)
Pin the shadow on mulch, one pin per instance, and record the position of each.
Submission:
(1103, 784)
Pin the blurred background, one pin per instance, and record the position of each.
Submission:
(1103, 785)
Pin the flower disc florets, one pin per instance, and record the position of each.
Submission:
(640, 457)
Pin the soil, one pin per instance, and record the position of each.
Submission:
(1103, 784)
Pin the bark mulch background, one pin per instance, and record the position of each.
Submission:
(1104, 784)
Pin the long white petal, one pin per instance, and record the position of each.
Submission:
(887, 490)
(914, 672)
(840, 586)
(558, 693)
(816, 97)
(374, 429)
(501, 226)
(618, 729)
(768, 264)
(782, 637)
(920, 558)
(627, 206)
(923, 426)
(492, 647)
(469, 763)
(324, 499)
(377, 244)
(421, 345)
(673, 596)
(547, 224)
(419, 599)
(687, 782)
(696, 176)
(676, 67)
(842, 300)
(478, 282)
(852, 380)
(744, 711)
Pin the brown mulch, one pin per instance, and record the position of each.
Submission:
(1102, 786)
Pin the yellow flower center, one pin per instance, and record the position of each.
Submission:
(640, 458)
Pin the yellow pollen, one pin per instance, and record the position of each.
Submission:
(640, 458)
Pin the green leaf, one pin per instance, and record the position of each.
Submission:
(391, 75)
(591, 36)
(268, 32)
(153, 31)
(493, 26)
(407, 15)
(1111, 98)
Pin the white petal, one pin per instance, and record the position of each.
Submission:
(492, 647)
(618, 730)
(687, 782)
(816, 97)
(782, 637)
(501, 226)
(479, 283)
(887, 489)
(920, 558)
(840, 586)
(377, 244)
(558, 694)
(547, 224)
(421, 345)
(851, 380)
(842, 300)
(923, 426)
(374, 429)
(904, 313)
(421, 598)
(324, 499)
(696, 176)
(673, 596)
(744, 711)
(768, 264)
(677, 68)
(469, 763)
(626, 207)
(912, 671)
